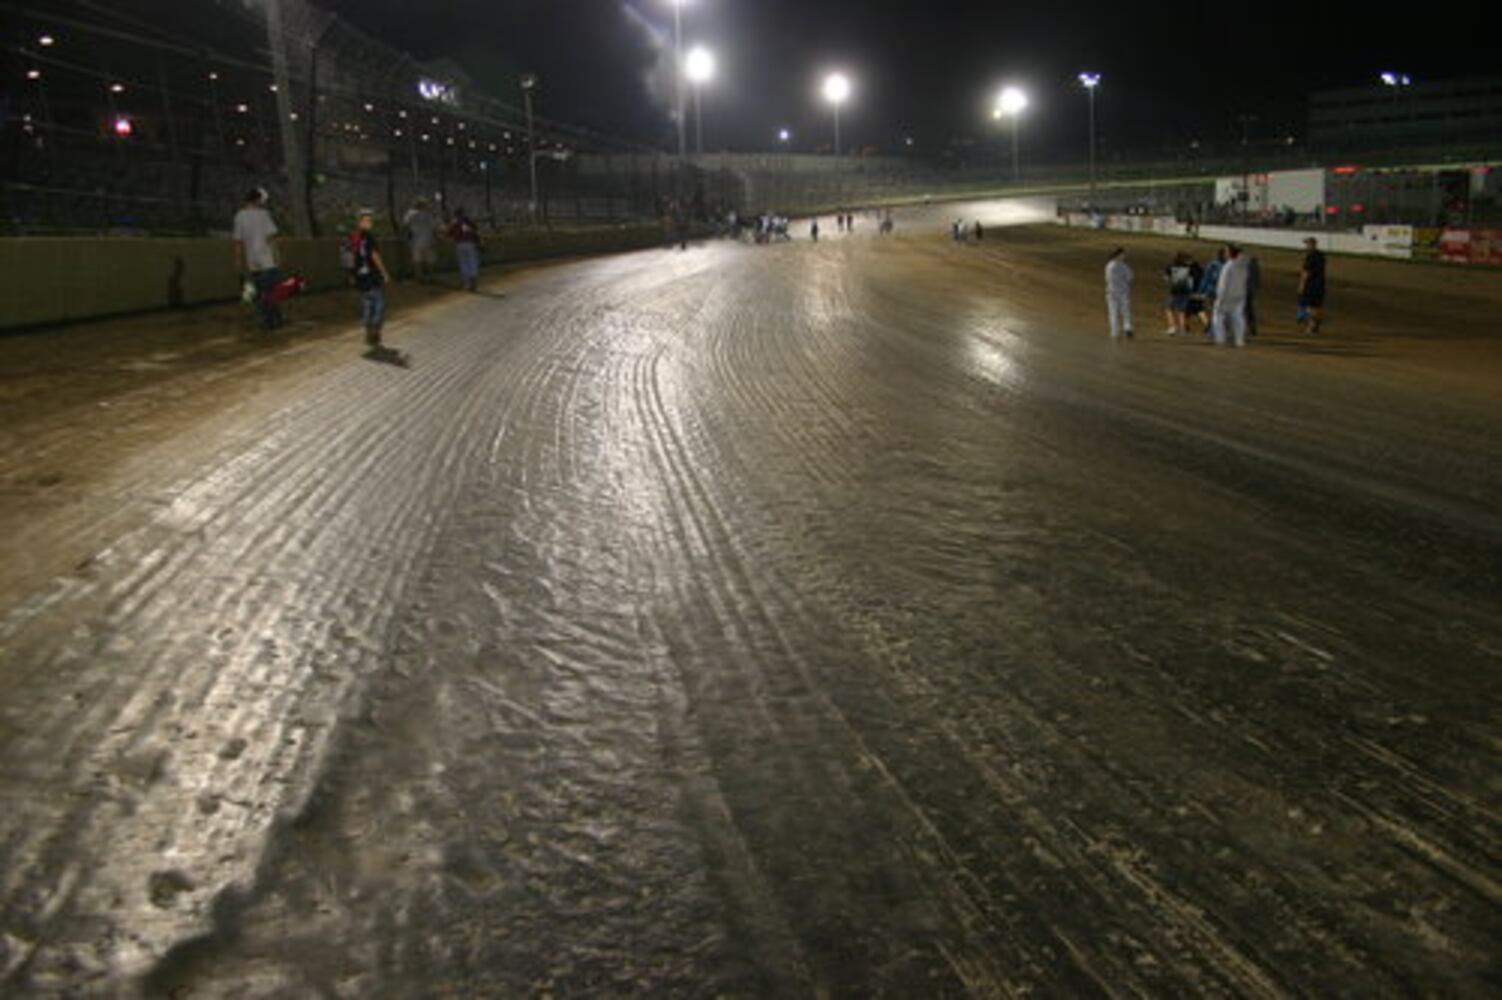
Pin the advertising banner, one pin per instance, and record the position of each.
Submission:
(1471, 246)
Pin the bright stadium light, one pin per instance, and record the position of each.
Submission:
(699, 65)
(46, 41)
(783, 135)
(1010, 104)
(836, 88)
(836, 92)
(1090, 81)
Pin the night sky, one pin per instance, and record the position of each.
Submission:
(1174, 72)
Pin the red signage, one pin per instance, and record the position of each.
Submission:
(1471, 246)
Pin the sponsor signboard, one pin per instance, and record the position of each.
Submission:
(1471, 246)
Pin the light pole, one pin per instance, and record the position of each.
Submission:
(1010, 104)
(529, 83)
(678, 75)
(1397, 81)
(700, 66)
(1090, 82)
(836, 92)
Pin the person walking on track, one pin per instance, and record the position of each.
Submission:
(1231, 296)
(466, 237)
(422, 227)
(1312, 288)
(371, 278)
(255, 254)
(1119, 294)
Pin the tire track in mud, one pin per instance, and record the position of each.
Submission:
(948, 877)
(220, 735)
(1223, 958)
(757, 622)
(504, 735)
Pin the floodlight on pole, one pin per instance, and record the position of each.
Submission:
(699, 65)
(678, 75)
(1010, 103)
(529, 84)
(836, 92)
(783, 135)
(1090, 81)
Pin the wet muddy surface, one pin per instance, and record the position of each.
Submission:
(850, 619)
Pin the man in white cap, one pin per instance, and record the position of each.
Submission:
(255, 254)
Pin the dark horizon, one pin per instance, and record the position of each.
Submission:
(918, 73)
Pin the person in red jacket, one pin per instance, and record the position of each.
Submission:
(466, 237)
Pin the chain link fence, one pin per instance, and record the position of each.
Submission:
(119, 123)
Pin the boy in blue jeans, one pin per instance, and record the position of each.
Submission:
(371, 278)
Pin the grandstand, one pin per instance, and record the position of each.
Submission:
(118, 125)
(155, 117)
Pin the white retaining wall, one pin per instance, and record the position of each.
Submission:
(1377, 241)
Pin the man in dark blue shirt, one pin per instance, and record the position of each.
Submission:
(1312, 288)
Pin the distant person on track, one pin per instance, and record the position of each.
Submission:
(422, 228)
(1208, 281)
(1312, 288)
(680, 224)
(1119, 294)
(1179, 276)
(255, 254)
(371, 278)
(813, 230)
(466, 237)
(1253, 286)
(980, 231)
(1231, 297)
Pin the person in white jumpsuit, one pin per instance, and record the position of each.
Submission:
(1230, 299)
(1119, 294)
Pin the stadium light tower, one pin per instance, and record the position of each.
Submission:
(1010, 104)
(1090, 81)
(678, 74)
(836, 92)
(529, 84)
(784, 136)
(700, 67)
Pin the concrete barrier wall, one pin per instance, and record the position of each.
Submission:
(1379, 241)
(45, 280)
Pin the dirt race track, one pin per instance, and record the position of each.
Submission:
(850, 619)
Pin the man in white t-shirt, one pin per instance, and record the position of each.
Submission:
(1119, 294)
(422, 229)
(255, 254)
(1231, 294)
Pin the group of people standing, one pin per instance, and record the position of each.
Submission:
(1221, 295)
(424, 226)
(255, 233)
